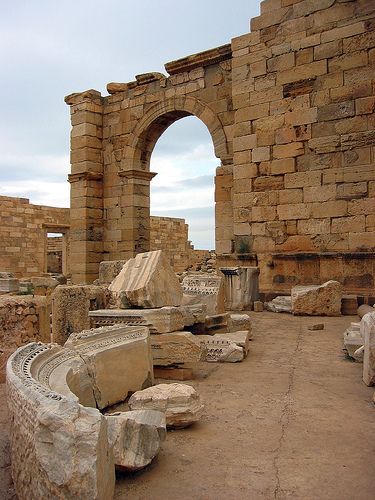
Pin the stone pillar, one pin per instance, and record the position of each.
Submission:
(86, 179)
(241, 286)
(224, 210)
(135, 209)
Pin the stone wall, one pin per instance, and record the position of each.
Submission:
(22, 320)
(171, 236)
(304, 176)
(290, 108)
(54, 254)
(23, 234)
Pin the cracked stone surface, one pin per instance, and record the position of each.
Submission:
(283, 424)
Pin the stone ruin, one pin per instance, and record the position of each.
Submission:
(289, 106)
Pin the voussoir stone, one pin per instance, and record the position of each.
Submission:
(146, 281)
(317, 300)
(180, 403)
(136, 437)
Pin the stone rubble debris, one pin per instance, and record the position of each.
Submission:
(136, 437)
(280, 304)
(317, 300)
(180, 403)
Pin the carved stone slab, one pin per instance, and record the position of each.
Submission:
(204, 288)
(226, 347)
(163, 320)
(118, 360)
(241, 287)
(9, 285)
(176, 348)
(147, 281)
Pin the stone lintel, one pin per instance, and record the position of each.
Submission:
(137, 174)
(87, 176)
(144, 78)
(206, 58)
(86, 96)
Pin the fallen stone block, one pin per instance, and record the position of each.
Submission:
(146, 281)
(316, 326)
(193, 314)
(317, 300)
(258, 306)
(164, 320)
(216, 322)
(9, 284)
(226, 347)
(176, 348)
(118, 359)
(136, 437)
(173, 373)
(43, 285)
(206, 289)
(280, 304)
(180, 403)
(237, 322)
(349, 305)
(367, 328)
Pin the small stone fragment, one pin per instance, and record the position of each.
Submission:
(136, 437)
(180, 403)
(359, 354)
(258, 306)
(316, 326)
(281, 303)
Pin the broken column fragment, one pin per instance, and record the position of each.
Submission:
(317, 300)
(241, 286)
(368, 334)
(180, 403)
(146, 281)
(136, 437)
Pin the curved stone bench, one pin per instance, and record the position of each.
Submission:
(59, 441)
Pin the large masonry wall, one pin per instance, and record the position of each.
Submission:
(303, 148)
(23, 234)
(290, 109)
(171, 236)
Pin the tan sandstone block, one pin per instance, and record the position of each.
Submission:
(351, 190)
(282, 166)
(302, 72)
(329, 49)
(290, 196)
(328, 209)
(302, 179)
(294, 211)
(288, 150)
(319, 193)
(301, 117)
(259, 214)
(365, 105)
(260, 154)
(336, 111)
(348, 224)
(343, 32)
(314, 226)
(362, 241)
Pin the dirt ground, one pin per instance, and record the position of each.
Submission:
(293, 421)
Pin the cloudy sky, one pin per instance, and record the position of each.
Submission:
(49, 49)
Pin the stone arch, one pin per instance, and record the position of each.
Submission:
(159, 117)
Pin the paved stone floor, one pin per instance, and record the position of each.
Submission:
(293, 421)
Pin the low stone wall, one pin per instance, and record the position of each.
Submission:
(22, 320)
(23, 234)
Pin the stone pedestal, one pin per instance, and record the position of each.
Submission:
(241, 285)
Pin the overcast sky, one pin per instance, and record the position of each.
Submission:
(49, 49)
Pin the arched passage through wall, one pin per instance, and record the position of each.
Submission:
(141, 143)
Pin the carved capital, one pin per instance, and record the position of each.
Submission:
(137, 174)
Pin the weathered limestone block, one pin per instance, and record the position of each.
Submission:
(70, 309)
(176, 348)
(226, 347)
(238, 322)
(194, 313)
(352, 339)
(206, 289)
(241, 287)
(180, 403)
(368, 333)
(118, 360)
(108, 270)
(163, 320)
(136, 437)
(147, 281)
(281, 303)
(317, 300)
(43, 285)
(59, 448)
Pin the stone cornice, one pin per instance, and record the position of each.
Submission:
(211, 56)
(90, 95)
(137, 174)
(87, 176)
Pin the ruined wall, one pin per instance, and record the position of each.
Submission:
(304, 172)
(54, 254)
(290, 109)
(23, 234)
(22, 320)
(171, 236)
